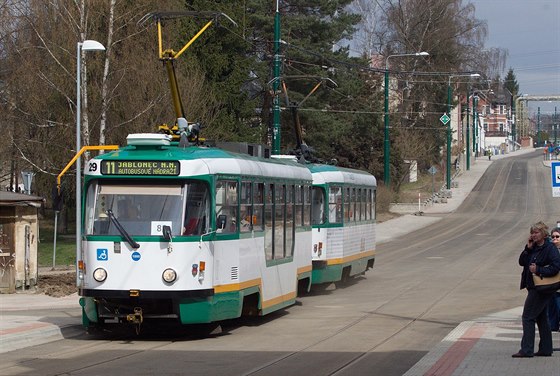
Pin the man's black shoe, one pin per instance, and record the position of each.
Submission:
(521, 355)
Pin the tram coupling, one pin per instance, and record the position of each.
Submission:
(135, 318)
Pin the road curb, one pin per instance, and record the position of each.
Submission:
(36, 333)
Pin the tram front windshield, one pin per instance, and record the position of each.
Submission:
(143, 210)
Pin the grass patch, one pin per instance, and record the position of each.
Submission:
(409, 191)
(65, 246)
(384, 197)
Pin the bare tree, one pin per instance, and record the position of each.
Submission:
(449, 31)
(366, 38)
(124, 90)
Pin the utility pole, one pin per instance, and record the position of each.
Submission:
(276, 85)
(555, 126)
(467, 141)
(538, 126)
(513, 123)
(448, 159)
(475, 126)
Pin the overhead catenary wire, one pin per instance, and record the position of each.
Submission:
(328, 63)
(361, 111)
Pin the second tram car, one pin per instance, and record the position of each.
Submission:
(195, 234)
(343, 221)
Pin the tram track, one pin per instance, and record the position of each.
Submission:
(481, 221)
(463, 248)
(476, 223)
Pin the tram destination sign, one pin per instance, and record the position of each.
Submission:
(159, 168)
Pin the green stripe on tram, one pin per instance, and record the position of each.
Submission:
(221, 306)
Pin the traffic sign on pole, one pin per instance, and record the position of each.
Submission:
(444, 119)
(555, 169)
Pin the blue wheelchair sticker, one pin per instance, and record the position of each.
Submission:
(102, 254)
(136, 256)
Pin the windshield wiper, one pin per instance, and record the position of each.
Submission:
(121, 229)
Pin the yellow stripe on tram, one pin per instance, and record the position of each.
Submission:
(278, 300)
(304, 269)
(357, 256)
(238, 286)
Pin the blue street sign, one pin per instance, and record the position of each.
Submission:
(555, 168)
(555, 178)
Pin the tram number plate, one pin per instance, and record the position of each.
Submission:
(140, 168)
(157, 227)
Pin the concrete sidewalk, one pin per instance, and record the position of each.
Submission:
(483, 347)
(28, 319)
(479, 347)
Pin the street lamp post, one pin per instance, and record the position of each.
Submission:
(386, 142)
(538, 126)
(87, 45)
(467, 141)
(513, 123)
(555, 127)
(475, 126)
(448, 159)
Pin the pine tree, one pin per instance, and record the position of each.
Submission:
(510, 82)
(238, 66)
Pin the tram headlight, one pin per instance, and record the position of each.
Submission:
(169, 275)
(100, 274)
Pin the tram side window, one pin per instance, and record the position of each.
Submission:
(359, 206)
(290, 226)
(370, 203)
(280, 221)
(353, 205)
(197, 210)
(298, 205)
(245, 225)
(335, 204)
(269, 222)
(373, 203)
(258, 207)
(365, 204)
(92, 212)
(347, 201)
(317, 205)
(226, 205)
(306, 205)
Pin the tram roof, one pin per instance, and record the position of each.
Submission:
(323, 174)
(202, 160)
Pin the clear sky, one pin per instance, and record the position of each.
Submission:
(530, 31)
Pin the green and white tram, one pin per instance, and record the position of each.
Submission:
(343, 221)
(194, 233)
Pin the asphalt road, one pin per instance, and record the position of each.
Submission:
(422, 286)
